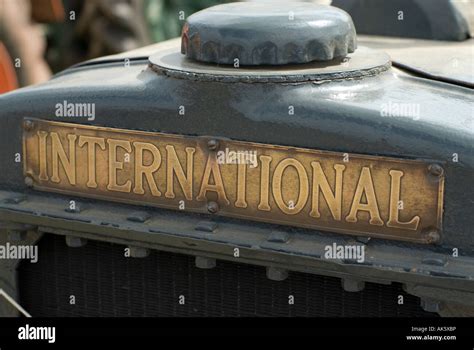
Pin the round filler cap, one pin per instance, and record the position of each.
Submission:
(268, 34)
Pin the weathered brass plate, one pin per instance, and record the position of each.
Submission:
(347, 193)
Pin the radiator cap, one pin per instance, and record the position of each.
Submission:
(268, 34)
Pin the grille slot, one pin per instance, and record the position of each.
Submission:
(105, 283)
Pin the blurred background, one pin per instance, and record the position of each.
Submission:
(41, 37)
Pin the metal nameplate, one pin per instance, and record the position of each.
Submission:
(339, 192)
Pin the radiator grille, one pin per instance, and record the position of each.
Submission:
(105, 283)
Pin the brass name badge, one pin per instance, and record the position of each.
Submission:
(348, 193)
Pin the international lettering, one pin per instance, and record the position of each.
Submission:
(165, 170)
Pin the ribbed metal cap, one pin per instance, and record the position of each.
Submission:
(268, 34)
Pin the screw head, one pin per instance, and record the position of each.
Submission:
(28, 125)
(212, 207)
(29, 181)
(432, 236)
(212, 144)
(435, 170)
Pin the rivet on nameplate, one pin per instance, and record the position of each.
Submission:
(436, 170)
(432, 236)
(212, 207)
(28, 125)
(29, 182)
(213, 145)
